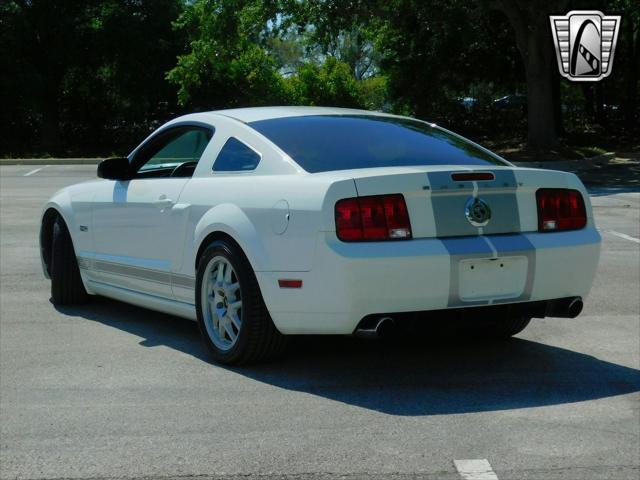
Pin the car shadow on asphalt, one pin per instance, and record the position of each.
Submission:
(423, 375)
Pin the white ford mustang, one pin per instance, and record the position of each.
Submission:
(265, 222)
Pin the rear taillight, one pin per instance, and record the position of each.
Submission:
(560, 209)
(379, 217)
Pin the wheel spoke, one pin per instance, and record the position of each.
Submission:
(215, 321)
(221, 328)
(230, 333)
(233, 288)
(235, 319)
(220, 274)
(234, 306)
(213, 300)
(227, 274)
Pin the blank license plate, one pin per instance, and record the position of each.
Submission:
(485, 278)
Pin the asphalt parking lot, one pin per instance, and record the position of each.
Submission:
(109, 390)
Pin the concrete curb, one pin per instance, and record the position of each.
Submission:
(50, 161)
(572, 165)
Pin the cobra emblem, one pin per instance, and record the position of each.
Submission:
(477, 212)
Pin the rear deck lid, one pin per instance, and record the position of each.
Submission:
(463, 201)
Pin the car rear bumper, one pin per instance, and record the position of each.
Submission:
(350, 281)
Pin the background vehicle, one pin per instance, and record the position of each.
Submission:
(515, 101)
(264, 222)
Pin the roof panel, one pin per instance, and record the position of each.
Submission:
(265, 113)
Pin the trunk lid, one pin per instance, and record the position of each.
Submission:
(441, 206)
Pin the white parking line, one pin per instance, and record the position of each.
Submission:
(624, 235)
(475, 469)
(34, 171)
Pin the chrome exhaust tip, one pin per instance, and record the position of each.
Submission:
(565, 308)
(383, 327)
(575, 307)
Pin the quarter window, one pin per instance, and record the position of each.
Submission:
(235, 156)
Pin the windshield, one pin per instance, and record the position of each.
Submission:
(321, 143)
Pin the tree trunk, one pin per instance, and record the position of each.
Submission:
(589, 101)
(50, 137)
(557, 103)
(633, 71)
(52, 76)
(541, 119)
(533, 37)
(542, 133)
(50, 108)
(601, 115)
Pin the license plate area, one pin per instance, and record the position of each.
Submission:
(492, 278)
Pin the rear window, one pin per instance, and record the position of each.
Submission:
(321, 143)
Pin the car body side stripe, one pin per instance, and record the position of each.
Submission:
(141, 273)
(131, 271)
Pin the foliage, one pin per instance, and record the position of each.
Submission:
(79, 70)
(330, 84)
(228, 64)
(93, 77)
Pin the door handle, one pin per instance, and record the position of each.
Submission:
(163, 202)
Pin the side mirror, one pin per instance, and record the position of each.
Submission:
(116, 168)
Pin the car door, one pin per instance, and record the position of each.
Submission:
(138, 225)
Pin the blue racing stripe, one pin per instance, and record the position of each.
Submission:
(510, 243)
(466, 245)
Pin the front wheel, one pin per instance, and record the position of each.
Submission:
(66, 283)
(232, 317)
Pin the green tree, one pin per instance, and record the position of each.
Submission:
(79, 73)
(329, 84)
(426, 48)
(227, 64)
(120, 92)
(47, 39)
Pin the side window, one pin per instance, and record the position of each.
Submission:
(235, 156)
(180, 146)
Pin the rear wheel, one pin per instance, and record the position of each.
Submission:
(66, 284)
(233, 319)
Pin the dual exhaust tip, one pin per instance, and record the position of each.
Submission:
(383, 327)
(565, 307)
(386, 326)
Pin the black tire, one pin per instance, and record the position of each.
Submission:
(505, 328)
(258, 339)
(66, 285)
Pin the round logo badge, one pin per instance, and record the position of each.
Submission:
(477, 212)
